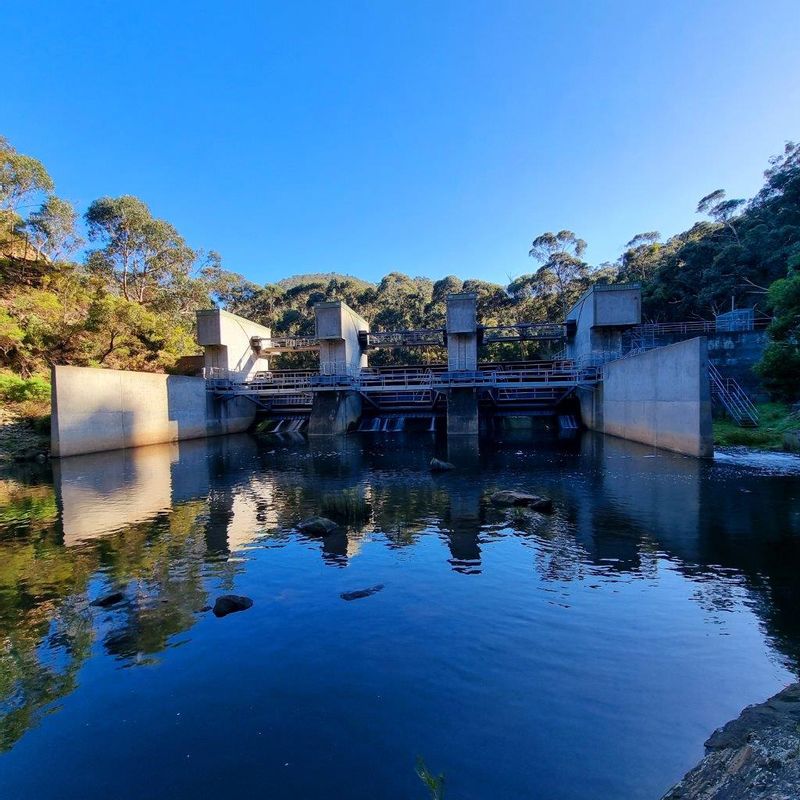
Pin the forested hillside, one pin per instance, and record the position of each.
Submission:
(113, 286)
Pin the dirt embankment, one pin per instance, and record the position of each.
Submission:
(23, 438)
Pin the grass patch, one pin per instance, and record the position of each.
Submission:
(775, 419)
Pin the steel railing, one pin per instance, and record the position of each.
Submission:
(702, 326)
(730, 395)
(560, 375)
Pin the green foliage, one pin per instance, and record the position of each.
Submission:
(131, 303)
(780, 366)
(52, 228)
(433, 783)
(140, 255)
(734, 258)
(20, 177)
(14, 389)
(11, 335)
(775, 419)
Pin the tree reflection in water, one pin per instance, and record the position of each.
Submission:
(166, 525)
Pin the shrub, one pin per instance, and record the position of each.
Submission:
(14, 389)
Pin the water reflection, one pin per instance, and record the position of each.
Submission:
(170, 525)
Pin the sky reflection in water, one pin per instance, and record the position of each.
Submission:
(583, 655)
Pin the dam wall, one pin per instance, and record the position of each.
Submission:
(661, 397)
(106, 409)
(735, 353)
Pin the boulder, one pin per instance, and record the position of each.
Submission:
(318, 526)
(230, 604)
(437, 465)
(108, 600)
(359, 593)
(508, 498)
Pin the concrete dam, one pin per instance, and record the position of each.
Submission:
(604, 370)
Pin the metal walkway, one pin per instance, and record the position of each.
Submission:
(374, 381)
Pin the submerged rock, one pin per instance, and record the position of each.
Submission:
(231, 603)
(437, 465)
(108, 600)
(507, 498)
(359, 593)
(318, 526)
(754, 757)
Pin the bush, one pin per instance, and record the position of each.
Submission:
(14, 389)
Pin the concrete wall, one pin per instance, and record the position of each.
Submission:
(104, 409)
(735, 353)
(225, 338)
(602, 315)
(337, 327)
(614, 307)
(662, 398)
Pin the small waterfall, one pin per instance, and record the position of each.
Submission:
(288, 425)
(383, 425)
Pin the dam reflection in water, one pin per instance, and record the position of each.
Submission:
(585, 654)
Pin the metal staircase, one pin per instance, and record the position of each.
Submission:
(730, 395)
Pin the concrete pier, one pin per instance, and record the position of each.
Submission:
(462, 412)
(462, 356)
(334, 413)
(341, 357)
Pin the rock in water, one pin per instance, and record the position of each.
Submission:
(108, 600)
(359, 593)
(542, 504)
(230, 603)
(441, 466)
(318, 526)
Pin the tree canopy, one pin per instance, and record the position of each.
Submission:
(129, 299)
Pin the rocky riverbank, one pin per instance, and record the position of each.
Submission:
(754, 757)
(23, 438)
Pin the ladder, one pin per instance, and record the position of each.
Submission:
(730, 395)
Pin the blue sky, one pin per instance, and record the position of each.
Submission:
(432, 138)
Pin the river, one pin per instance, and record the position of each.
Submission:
(583, 655)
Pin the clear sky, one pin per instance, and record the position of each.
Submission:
(429, 137)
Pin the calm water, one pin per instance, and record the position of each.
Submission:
(583, 655)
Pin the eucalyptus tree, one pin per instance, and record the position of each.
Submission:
(641, 256)
(52, 228)
(721, 209)
(143, 257)
(21, 177)
(561, 258)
